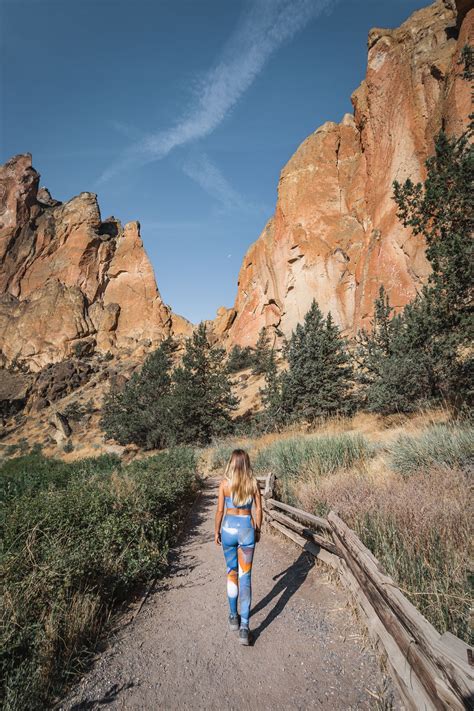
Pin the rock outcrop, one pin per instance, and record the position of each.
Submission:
(335, 235)
(71, 283)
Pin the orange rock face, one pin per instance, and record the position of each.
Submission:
(69, 279)
(335, 235)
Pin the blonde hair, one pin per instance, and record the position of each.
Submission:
(239, 474)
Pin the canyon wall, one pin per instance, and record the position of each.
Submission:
(71, 283)
(335, 235)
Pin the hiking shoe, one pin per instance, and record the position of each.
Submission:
(234, 622)
(244, 636)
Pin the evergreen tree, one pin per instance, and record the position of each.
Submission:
(274, 410)
(394, 369)
(319, 378)
(262, 353)
(441, 209)
(240, 358)
(139, 412)
(202, 400)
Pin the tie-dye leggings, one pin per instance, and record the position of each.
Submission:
(238, 544)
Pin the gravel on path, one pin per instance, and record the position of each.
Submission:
(308, 650)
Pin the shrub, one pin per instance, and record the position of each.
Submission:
(222, 450)
(446, 446)
(316, 453)
(78, 539)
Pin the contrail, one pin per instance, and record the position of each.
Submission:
(262, 29)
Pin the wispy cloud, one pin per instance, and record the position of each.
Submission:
(207, 174)
(262, 29)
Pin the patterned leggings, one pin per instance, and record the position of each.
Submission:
(238, 544)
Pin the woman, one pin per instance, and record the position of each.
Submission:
(237, 491)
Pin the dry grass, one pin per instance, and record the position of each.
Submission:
(418, 527)
(406, 492)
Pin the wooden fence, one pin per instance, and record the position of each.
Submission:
(431, 671)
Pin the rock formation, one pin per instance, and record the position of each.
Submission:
(71, 283)
(335, 235)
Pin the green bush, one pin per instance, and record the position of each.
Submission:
(440, 446)
(316, 453)
(34, 472)
(78, 539)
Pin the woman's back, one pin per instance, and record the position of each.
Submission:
(229, 502)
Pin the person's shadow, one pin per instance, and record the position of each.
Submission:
(289, 581)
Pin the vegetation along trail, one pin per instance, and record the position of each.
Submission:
(178, 652)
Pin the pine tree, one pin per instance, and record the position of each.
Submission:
(319, 378)
(262, 353)
(442, 210)
(394, 369)
(139, 412)
(274, 410)
(240, 358)
(202, 396)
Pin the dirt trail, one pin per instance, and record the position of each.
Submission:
(178, 653)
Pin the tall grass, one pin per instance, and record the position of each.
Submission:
(321, 454)
(415, 516)
(446, 446)
(222, 449)
(78, 539)
(310, 455)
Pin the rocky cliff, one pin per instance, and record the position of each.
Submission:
(335, 235)
(70, 282)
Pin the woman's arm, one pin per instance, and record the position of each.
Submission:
(258, 513)
(219, 514)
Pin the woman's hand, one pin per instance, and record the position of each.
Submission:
(217, 538)
(257, 535)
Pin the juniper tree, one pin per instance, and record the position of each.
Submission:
(319, 377)
(394, 368)
(262, 353)
(240, 358)
(441, 210)
(139, 412)
(202, 401)
(274, 410)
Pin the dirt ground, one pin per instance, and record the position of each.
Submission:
(178, 653)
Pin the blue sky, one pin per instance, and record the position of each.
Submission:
(180, 113)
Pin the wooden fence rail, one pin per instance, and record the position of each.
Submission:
(431, 671)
